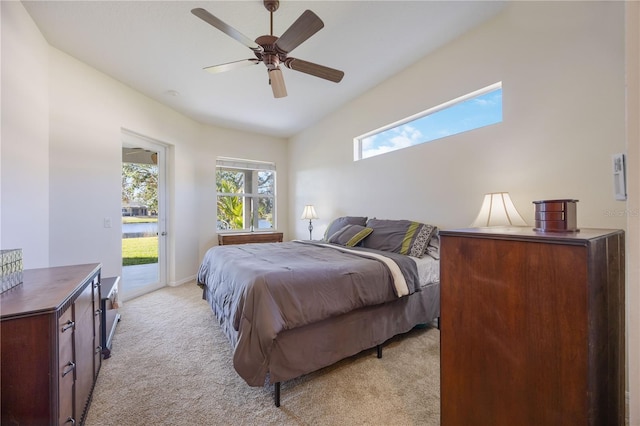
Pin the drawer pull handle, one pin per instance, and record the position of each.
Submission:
(70, 420)
(69, 324)
(71, 366)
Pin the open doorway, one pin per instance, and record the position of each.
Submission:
(143, 216)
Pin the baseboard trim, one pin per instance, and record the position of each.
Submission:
(182, 281)
(626, 408)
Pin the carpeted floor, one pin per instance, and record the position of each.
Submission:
(171, 365)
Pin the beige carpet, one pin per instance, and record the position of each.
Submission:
(171, 365)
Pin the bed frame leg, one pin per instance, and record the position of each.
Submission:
(276, 393)
(379, 349)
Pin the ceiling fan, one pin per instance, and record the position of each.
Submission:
(140, 155)
(273, 51)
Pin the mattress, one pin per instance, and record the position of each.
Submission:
(428, 269)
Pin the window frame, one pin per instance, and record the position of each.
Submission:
(358, 141)
(251, 169)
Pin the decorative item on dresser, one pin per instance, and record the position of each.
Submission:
(556, 216)
(249, 237)
(10, 268)
(532, 327)
(51, 353)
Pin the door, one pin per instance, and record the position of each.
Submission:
(144, 231)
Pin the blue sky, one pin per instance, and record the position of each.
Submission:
(470, 114)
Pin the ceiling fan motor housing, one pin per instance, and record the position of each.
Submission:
(270, 56)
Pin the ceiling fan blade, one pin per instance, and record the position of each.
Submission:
(227, 29)
(277, 83)
(216, 69)
(304, 27)
(314, 69)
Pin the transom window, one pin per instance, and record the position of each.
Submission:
(245, 195)
(472, 111)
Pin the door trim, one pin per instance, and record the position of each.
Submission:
(133, 139)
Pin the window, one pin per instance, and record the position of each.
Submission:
(245, 195)
(472, 111)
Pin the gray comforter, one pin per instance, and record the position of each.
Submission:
(260, 290)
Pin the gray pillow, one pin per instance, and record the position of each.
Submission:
(341, 222)
(350, 235)
(399, 236)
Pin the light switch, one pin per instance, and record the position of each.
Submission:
(107, 222)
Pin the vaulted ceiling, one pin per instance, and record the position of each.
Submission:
(160, 48)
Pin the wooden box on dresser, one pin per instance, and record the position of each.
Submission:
(50, 345)
(532, 327)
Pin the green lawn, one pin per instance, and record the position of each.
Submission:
(139, 251)
(139, 219)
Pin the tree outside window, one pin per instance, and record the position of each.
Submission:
(140, 185)
(245, 195)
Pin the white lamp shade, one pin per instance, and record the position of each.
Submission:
(309, 212)
(277, 83)
(498, 210)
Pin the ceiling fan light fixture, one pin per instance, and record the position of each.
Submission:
(277, 83)
(272, 62)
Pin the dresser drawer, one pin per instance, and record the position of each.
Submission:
(66, 365)
(66, 327)
(66, 399)
(84, 301)
(97, 341)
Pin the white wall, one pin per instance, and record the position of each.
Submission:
(562, 68)
(562, 65)
(633, 208)
(24, 149)
(75, 114)
(88, 111)
(249, 146)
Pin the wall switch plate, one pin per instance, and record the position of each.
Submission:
(107, 222)
(619, 177)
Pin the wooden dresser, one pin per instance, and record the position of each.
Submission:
(50, 345)
(250, 237)
(532, 327)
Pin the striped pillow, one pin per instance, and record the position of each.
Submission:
(340, 222)
(399, 236)
(350, 235)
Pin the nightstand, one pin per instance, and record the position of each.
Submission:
(250, 237)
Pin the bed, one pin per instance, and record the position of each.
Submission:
(295, 307)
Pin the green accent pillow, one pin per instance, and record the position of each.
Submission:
(350, 235)
(339, 223)
(399, 236)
